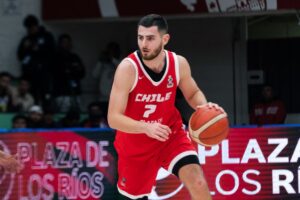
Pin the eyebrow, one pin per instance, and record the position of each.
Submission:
(146, 35)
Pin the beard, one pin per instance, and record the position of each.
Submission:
(151, 56)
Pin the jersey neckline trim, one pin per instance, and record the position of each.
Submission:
(155, 83)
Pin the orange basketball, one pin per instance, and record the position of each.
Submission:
(208, 126)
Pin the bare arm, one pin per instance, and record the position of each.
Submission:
(123, 82)
(192, 93)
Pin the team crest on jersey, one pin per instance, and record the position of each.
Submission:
(170, 82)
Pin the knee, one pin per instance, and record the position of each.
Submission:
(198, 183)
(196, 180)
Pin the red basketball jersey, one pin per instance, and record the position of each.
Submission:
(152, 101)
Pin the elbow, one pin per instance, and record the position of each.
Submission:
(111, 121)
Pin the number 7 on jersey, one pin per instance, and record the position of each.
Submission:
(149, 109)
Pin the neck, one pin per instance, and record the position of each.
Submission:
(157, 63)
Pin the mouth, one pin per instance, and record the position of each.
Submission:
(145, 50)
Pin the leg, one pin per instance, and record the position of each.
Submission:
(180, 158)
(193, 178)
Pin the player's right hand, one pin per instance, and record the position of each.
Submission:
(158, 131)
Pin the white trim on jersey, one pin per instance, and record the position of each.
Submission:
(130, 195)
(178, 157)
(136, 73)
(147, 75)
(176, 67)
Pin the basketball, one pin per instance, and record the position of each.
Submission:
(208, 126)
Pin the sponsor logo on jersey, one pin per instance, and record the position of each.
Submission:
(153, 121)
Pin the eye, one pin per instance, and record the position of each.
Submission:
(150, 38)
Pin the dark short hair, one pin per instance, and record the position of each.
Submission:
(154, 20)
(30, 20)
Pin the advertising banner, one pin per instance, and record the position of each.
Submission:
(60, 165)
(252, 164)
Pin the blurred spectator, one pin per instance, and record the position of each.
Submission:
(49, 121)
(269, 110)
(35, 117)
(6, 93)
(23, 98)
(71, 119)
(105, 69)
(68, 72)
(35, 52)
(19, 121)
(96, 118)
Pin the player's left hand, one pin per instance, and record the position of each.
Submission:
(213, 106)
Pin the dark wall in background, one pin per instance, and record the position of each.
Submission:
(280, 61)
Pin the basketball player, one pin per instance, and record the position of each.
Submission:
(9, 163)
(149, 128)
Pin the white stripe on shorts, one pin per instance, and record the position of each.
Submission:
(130, 195)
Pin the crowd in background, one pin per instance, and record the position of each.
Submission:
(50, 83)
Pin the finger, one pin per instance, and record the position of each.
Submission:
(158, 137)
(166, 128)
(210, 104)
(214, 105)
(162, 134)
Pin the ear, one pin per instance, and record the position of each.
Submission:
(166, 38)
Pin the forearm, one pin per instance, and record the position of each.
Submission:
(126, 124)
(198, 98)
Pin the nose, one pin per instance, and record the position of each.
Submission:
(144, 43)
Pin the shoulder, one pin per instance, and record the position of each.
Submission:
(126, 71)
(126, 66)
(125, 77)
(182, 60)
(278, 102)
(184, 66)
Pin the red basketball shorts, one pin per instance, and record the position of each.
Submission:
(140, 158)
